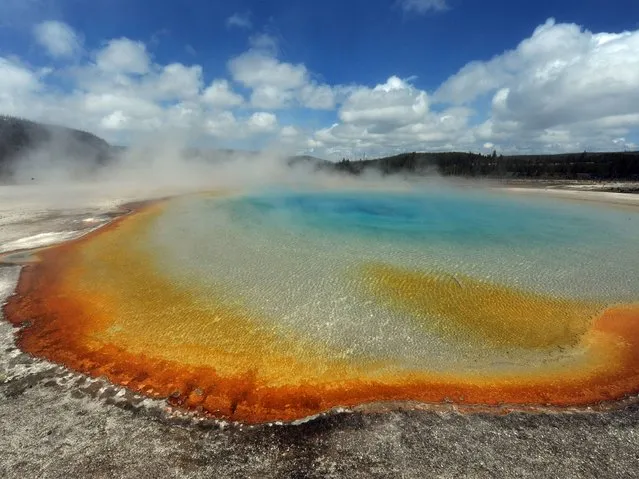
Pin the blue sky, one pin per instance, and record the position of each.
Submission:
(335, 78)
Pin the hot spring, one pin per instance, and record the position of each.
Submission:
(282, 304)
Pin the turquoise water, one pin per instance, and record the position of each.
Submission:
(549, 246)
(296, 257)
(448, 216)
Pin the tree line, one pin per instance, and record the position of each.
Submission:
(571, 166)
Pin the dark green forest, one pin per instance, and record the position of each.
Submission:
(572, 166)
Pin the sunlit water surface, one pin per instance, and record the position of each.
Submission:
(296, 257)
(465, 290)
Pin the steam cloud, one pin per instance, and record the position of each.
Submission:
(160, 165)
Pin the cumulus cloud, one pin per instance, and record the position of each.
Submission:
(560, 62)
(115, 121)
(446, 130)
(121, 103)
(561, 89)
(276, 84)
(289, 131)
(386, 106)
(254, 69)
(16, 79)
(178, 81)
(559, 85)
(220, 95)
(393, 116)
(271, 97)
(226, 125)
(239, 20)
(223, 124)
(423, 6)
(123, 93)
(19, 86)
(58, 39)
(262, 122)
(124, 56)
(318, 97)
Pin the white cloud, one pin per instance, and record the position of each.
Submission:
(374, 134)
(177, 81)
(262, 122)
(123, 93)
(254, 69)
(562, 89)
(317, 97)
(297, 139)
(423, 6)
(560, 75)
(112, 102)
(239, 20)
(276, 84)
(222, 125)
(185, 115)
(289, 131)
(220, 95)
(225, 125)
(59, 39)
(562, 86)
(16, 79)
(271, 97)
(123, 56)
(174, 81)
(386, 106)
(115, 121)
(273, 82)
(18, 87)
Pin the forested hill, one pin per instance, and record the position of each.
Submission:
(573, 166)
(20, 138)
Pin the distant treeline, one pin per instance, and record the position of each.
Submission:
(573, 166)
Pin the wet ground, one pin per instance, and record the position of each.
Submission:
(54, 423)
